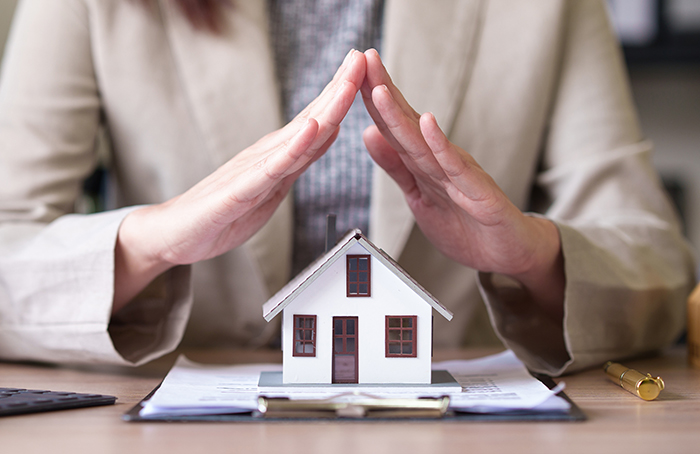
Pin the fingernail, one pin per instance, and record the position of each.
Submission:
(347, 57)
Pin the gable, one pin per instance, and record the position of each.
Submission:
(327, 295)
(354, 241)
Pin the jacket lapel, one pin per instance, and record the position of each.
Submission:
(231, 85)
(429, 49)
(228, 79)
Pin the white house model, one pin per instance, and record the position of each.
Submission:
(354, 316)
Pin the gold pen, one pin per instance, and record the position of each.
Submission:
(644, 386)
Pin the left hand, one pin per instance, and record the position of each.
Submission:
(457, 205)
(227, 207)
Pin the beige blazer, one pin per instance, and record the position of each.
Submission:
(535, 91)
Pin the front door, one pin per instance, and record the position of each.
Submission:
(345, 350)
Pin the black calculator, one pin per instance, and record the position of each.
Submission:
(15, 401)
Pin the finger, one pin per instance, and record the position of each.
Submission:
(330, 119)
(252, 186)
(299, 167)
(376, 75)
(354, 73)
(318, 153)
(250, 222)
(334, 113)
(327, 122)
(341, 69)
(248, 190)
(322, 150)
(459, 167)
(388, 159)
(330, 107)
(282, 188)
(377, 117)
(292, 153)
(405, 135)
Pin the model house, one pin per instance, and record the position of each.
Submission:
(354, 316)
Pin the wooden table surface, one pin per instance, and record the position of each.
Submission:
(618, 421)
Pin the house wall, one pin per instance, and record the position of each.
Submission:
(326, 298)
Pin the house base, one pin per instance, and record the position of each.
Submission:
(442, 382)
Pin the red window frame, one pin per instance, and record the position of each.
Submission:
(304, 335)
(355, 275)
(401, 337)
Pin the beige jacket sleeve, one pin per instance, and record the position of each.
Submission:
(57, 268)
(628, 268)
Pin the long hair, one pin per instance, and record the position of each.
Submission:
(201, 14)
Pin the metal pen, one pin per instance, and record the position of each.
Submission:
(643, 386)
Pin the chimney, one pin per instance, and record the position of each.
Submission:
(330, 231)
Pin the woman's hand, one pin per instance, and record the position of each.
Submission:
(230, 205)
(457, 205)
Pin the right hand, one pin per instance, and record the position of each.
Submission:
(457, 205)
(226, 208)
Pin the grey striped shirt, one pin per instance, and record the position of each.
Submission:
(310, 40)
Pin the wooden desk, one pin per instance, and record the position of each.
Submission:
(618, 421)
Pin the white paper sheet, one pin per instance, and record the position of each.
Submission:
(496, 383)
(500, 383)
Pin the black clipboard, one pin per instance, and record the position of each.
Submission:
(574, 414)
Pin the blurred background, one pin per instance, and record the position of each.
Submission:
(661, 42)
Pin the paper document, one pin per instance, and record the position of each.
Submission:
(500, 383)
(497, 383)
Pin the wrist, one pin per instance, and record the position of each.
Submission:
(544, 277)
(136, 263)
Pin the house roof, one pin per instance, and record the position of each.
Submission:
(286, 295)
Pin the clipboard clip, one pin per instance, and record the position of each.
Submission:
(354, 405)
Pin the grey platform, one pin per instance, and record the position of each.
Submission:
(442, 382)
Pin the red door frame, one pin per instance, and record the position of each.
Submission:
(345, 336)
